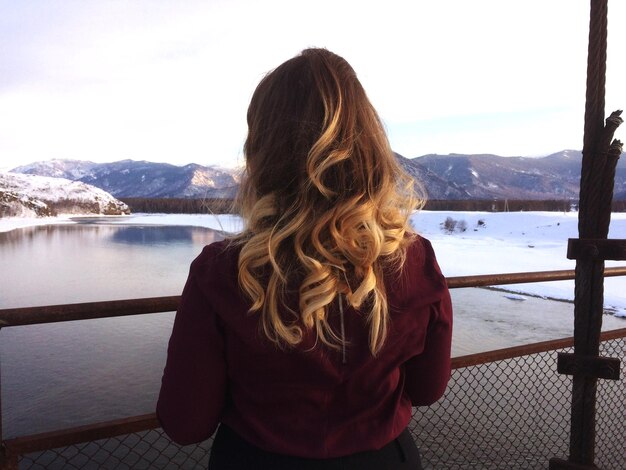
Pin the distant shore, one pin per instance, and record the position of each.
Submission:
(12, 223)
(223, 222)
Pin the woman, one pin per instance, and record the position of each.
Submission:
(311, 334)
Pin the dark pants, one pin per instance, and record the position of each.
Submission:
(231, 452)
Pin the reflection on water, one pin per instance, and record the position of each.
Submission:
(89, 262)
(150, 235)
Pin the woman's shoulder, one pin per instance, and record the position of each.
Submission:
(219, 251)
(420, 272)
(218, 257)
(421, 254)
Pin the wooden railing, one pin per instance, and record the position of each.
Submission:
(121, 308)
(13, 448)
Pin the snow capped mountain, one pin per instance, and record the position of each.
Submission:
(444, 177)
(57, 168)
(130, 178)
(37, 196)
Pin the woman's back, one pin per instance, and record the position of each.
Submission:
(311, 401)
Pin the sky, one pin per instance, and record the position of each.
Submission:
(170, 81)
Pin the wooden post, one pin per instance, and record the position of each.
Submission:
(590, 252)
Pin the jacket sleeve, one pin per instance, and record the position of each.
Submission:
(194, 380)
(427, 374)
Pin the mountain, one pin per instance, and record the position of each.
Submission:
(555, 176)
(428, 181)
(454, 176)
(38, 196)
(130, 178)
(70, 169)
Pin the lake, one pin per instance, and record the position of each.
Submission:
(72, 373)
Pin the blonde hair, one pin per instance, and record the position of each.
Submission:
(324, 200)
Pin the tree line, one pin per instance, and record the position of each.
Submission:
(179, 205)
(501, 205)
(225, 206)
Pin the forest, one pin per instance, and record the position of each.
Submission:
(225, 206)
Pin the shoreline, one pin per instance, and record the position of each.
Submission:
(218, 221)
(8, 224)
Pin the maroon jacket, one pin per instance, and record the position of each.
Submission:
(304, 401)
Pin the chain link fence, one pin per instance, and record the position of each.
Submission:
(500, 415)
(506, 414)
(143, 450)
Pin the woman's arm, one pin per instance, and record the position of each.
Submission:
(194, 381)
(427, 375)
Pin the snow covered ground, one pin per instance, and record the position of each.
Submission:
(507, 242)
(481, 243)
(11, 223)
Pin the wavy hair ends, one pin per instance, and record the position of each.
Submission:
(326, 205)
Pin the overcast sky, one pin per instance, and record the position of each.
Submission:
(170, 81)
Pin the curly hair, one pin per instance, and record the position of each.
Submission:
(323, 198)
